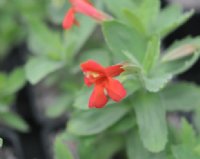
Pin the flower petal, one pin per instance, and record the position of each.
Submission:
(98, 98)
(115, 90)
(87, 81)
(92, 66)
(85, 7)
(69, 19)
(114, 70)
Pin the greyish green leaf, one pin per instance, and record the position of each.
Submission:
(152, 54)
(62, 150)
(176, 67)
(181, 97)
(133, 20)
(150, 115)
(44, 41)
(148, 12)
(125, 39)
(155, 84)
(1, 142)
(136, 150)
(38, 68)
(184, 152)
(117, 7)
(170, 19)
(95, 121)
(14, 121)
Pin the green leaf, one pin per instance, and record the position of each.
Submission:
(76, 38)
(14, 121)
(3, 107)
(82, 98)
(1, 142)
(170, 19)
(134, 21)
(179, 57)
(99, 55)
(125, 39)
(123, 125)
(44, 41)
(136, 150)
(152, 53)
(3, 82)
(38, 68)
(108, 148)
(150, 115)
(187, 133)
(62, 150)
(148, 11)
(131, 86)
(197, 119)
(155, 84)
(117, 7)
(15, 80)
(105, 147)
(181, 97)
(95, 121)
(176, 67)
(12, 82)
(184, 152)
(182, 48)
(56, 10)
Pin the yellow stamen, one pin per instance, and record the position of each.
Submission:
(93, 74)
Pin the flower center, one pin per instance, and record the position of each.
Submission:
(92, 74)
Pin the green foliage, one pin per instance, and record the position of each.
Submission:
(125, 39)
(11, 83)
(187, 134)
(81, 101)
(124, 125)
(1, 142)
(14, 121)
(117, 7)
(61, 149)
(150, 115)
(44, 41)
(169, 19)
(181, 96)
(38, 68)
(99, 55)
(136, 150)
(184, 152)
(95, 121)
(156, 83)
(152, 54)
(102, 147)
(138, 124)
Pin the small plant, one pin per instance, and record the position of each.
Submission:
(114, 76)
(138, 124)
(9, 85)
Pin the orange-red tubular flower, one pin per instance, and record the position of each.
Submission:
(104, 83)
(85, 7)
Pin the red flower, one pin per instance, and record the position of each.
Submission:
(85, 7)
(104, 84)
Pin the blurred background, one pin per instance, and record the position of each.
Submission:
(31, 32)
